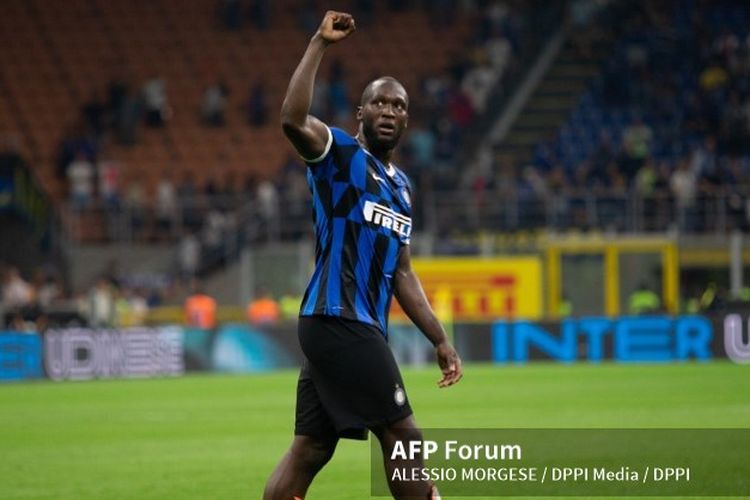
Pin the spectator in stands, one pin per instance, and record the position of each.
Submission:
(101, 304)
(75, 142)
(536, 183)
(603, 155)
(123, 311)
(228, 193)
(267, 196)
(213, 232)
(109, 184)
(215, 104)
(131, 308)
(737, 204)
(81, 182)
(636, 145)
(188, 256)
(499, 50)
(135, 206)
(128, 117)
(190, 201)
(565, 307)
(17, 293)
(683, 184)
(713, 77)
(460, 108)
(200, 308)
(295, 189)
(479, 81)
(156, 102)
(421, 143)
(704, 158)
(289, 305)
(644, 301)
(138, 305)
(263, 309)
(257, 106)
(46, 289)
(645, 180)
(166, 206)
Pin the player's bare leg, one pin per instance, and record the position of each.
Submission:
(299, 465)
(403, 430)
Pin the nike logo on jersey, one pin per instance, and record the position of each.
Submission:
(387, 218)
(378, 178)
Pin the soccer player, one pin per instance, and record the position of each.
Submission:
(350, 382)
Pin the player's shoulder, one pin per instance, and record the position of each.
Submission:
(337, 143)
(342, 137)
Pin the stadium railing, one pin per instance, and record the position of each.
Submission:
(440, 212)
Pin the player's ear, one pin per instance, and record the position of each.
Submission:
(359, 112)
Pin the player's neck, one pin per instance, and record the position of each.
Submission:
(384, 155)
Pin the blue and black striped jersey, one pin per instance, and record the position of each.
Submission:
(362, 216)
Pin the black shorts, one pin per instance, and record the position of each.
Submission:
(349, 382)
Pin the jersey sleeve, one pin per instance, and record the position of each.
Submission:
(326, 151)
(330, 161)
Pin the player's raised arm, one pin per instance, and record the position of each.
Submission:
(410, 295)
(308, 134)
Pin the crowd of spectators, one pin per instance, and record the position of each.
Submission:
(205, 219)
(44, 300)
(23, 301)
(668, 119)
(444, 105)
(117, 300)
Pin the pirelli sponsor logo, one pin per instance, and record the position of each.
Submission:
(480, 290)
(387, 218)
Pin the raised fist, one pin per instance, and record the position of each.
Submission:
(336, 26)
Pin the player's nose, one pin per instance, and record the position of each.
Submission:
(388, 111)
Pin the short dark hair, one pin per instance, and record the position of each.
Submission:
(367, 93)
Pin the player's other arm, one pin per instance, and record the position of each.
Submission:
(308, 134)
(410, 295)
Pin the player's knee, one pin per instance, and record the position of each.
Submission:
(404, 430)
(312, 454)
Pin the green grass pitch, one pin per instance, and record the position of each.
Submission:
(218, 437)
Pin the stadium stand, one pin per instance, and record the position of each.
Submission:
(60, 56)
(640, 123)
(661, 70)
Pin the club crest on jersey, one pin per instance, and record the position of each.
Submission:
(399, 396)
(385, 217)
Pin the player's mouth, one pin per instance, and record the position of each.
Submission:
(386, 128)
